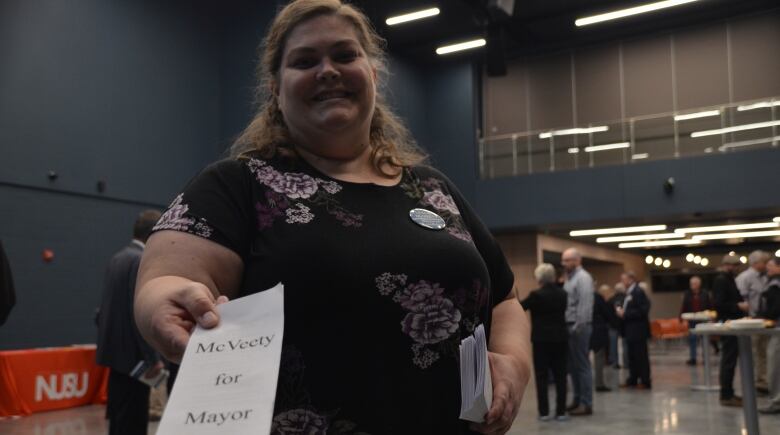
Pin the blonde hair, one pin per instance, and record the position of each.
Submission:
(545, 273)
(267, 133)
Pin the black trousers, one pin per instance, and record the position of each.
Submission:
(728, 362)
(550, 356)
(128, 405)
(638, 363)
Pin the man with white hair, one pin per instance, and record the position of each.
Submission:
(751, 284)
(579, 316)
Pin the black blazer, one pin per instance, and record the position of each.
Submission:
(604, 317)
(770, 301)
(119, 344)
(726, 296)
(636, 321)
(548, 314)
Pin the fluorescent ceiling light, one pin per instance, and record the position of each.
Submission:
(570, 131)
(696, 115)
(412, 16)
(735, 227)
(658, 243)
(600, 231)
(777, 219)
(761, 105)
(640, 156)
(745, 143)
(735, 128)
(461, 46)
(609, 146)
(574, 150)
(743, 235)
(649, 7)
(639, 237)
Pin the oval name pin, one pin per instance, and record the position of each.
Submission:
(427, 219)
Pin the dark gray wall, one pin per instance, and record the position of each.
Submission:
(121, 91)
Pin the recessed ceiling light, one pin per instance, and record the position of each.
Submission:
(639, 237)
(743, 127)
(649, 7)
(570, 131)
(777, 253)
(742, 235)
(620, 230)
(667, 264)
(759, 105)
(658, 261)
(733, 227)
(649, 259)
(460, 46)
(705, 114)
(412, 16)
(573, 150)
(705, 262)
(743, 259)
(658, 243)
(689, 257)
(606, 147)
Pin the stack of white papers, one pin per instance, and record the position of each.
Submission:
(227, 380)
(476, 386)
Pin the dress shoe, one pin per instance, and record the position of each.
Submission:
(762, 390)
(572, 406)
(627, 385)
(581, 410)
(644, 387)
(734, 401)
(603, 389)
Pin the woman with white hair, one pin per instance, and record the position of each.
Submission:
(550, 339)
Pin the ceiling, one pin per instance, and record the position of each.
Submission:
(537, 26)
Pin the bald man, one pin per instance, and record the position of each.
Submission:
(579, 316)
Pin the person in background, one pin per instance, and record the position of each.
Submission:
(728, 302)
(769, 308)
(751, 283)
(694, 300)
(604, 319)
(120, 346)
(549, 337)
(7, 293)
(616, 300)
(636, 329)
(579, 318)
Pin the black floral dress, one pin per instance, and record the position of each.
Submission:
(375, 305)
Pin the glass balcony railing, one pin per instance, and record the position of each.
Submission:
(720, 129)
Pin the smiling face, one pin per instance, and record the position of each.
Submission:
(326, 86)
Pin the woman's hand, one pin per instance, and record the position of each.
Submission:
(510, 377)
(167, 317)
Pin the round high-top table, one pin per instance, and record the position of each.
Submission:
(749, 406)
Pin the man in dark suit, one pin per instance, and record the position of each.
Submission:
(119, 345)
(729, 304)
(636, 330)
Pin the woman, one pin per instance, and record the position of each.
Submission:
(604, 319)
(550, 339)
(317, 195)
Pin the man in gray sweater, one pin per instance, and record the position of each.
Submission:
(579, 317)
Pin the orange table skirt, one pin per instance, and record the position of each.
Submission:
(35, 380)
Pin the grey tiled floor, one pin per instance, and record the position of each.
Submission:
(670, 408)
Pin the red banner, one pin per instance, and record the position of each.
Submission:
(37, 380)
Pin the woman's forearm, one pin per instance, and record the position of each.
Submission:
(511, 332)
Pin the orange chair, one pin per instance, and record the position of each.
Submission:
(668, 329)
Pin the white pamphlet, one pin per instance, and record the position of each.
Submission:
(476, 385)
(227, 380)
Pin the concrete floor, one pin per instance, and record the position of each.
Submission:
(670, 408)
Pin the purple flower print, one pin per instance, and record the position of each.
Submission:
(419, 293)
(440, 201)
(300, 214)
(299, 421)
(174, 218)
(348, 219)
(460, 234)
(276, 205)
(329, 186)
(432, 322)
(387, 283)
(292, 184)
